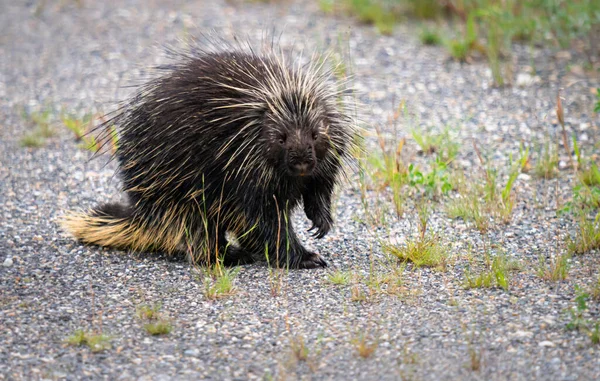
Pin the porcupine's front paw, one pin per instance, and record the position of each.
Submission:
(321, 219)
(311, 261)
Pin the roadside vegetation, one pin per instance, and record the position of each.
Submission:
(485, 29)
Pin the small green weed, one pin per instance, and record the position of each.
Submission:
(339, 278)
(218, 281)
(547, 164)
(41, 123)
(96, 342)
(578, 321)
(32, 140)
(595, 290)
(443, 144)
(155, 324)
(159, 327)
(590, 175)
(556, 270)
(480, 202)
(425, 251)
(433, 183)
(390, 283)
(299, 348)
(147, 312)
(469, 207)
(587, 236)
(357, 294)
(474, 359)
(387, 168)
(365, 347)
(430, 37)
(595, 334)
(425, 9)
(382, 14)
(80, 127)
(459, 50)
(497, 274)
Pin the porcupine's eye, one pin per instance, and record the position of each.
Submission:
(315, 134)
(282, 139)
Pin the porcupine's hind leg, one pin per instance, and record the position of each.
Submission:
(272, 236)
(212, 242)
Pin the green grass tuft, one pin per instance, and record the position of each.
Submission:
(556, 270)
(32, 140)
(430, 37)
(425, 251)
(159, 327)
(547, 164)
(497, 274)
(339, 278)
(96, 342)
(219, 281)
(587, 236)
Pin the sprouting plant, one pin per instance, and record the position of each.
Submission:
(595, 290)
(578, 321)
(547, 164)
(148, 312)
(425, 251)
(434, 182)
(587, 235)
(557, 269)
(218, 280)
(299, 348)
(81, 128)
(365, 347)
(96, 342)
(443, 144)
(42, 129)
(158, 327)
(340, 278)
(497, 274)
(155, 324)
(430, 37)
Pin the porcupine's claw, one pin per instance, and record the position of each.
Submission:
(319, 234)
(323, 225)
(312, 261)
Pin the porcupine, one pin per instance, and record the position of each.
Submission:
(231, 140)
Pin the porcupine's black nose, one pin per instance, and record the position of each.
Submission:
(301, 162)
(303, 168)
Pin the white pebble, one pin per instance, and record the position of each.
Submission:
(7, 262)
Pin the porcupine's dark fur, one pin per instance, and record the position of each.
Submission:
(225, 141)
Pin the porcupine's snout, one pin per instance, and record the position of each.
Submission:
(301, 162)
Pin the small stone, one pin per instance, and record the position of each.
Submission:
(565, 55)
(548, 344)
(524, 79)
(7, 262)
(194, 352)
(523, 334)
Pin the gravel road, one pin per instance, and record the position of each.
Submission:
(82, 57)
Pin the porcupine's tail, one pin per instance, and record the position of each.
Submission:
(111, 225)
